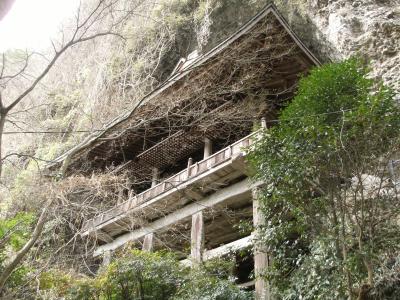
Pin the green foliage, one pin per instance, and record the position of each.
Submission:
(330, 193)
(55, 280)
(143, 275)
(14, 233)
(211, 281)
(16, 229)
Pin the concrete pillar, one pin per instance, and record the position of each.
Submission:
(148, 242)
(106, 258)
(197, 238)
(207, 147)
(261, 259)
(155, 177)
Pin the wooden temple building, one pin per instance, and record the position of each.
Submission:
(183, 148)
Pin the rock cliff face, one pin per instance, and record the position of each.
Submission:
(336, 29)
(332, 29)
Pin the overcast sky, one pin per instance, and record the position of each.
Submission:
(31, 23)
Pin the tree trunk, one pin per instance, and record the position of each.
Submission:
(2, 123)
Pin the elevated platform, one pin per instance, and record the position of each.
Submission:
(193, 184)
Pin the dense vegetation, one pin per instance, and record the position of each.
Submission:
(331, 199)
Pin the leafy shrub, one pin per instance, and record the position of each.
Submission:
(211, 281)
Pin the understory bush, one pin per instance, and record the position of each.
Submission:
(159, 275)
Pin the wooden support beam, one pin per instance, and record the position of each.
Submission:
(232, 247)
(197, 238)
(207, 147)
(263, 122)
(148, 242)
(106, 258)
(246, 284)
(194, 195)
(261, 259)
(103, 236)
(155, 177)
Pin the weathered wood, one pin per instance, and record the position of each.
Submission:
(207, 147)
(178, 183)
(155, 177)
(178, 190)
(263, 122)
(192, 194)
(246, 284)
(197, 238)
(106, 258)
(235, 191)
(235, 246)
(103, 236)
(261, 259)
(148, 242)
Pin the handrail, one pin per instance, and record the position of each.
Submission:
(166, 184)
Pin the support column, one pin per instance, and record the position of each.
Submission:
(261, 259)
(207, 147)
(106, 258)
(197, 238)
(263, 122)
(148, 242)
(155, 178)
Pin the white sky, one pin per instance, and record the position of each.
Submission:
(30, 23)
